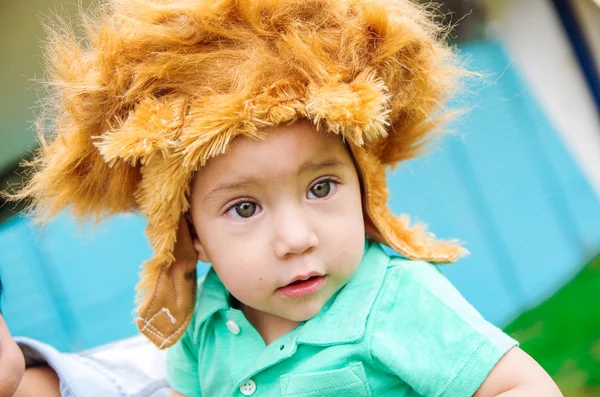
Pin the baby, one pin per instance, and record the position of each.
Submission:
(255, 135)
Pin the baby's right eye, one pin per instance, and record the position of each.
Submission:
(244, 209)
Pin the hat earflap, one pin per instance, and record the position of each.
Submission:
(167, 289)
(413, 242)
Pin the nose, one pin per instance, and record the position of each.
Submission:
(294, 233)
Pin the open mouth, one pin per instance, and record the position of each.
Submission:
(301, 288)
(297, 282)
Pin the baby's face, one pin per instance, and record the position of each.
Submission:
(281, 220)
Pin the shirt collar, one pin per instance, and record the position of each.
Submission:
(344, 317)
(212, 297)
(333, 324)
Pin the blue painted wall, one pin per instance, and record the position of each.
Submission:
(505, 184)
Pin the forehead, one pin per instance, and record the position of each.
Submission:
(291, 142)
(284, 150)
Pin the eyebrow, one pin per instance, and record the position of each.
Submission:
(228, 186)
(331, 163)
(247, 182)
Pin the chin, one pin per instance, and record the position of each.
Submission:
(308, 310)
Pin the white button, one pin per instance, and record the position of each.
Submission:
(248, 387)
(233, 327)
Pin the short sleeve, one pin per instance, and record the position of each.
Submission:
(427, 334)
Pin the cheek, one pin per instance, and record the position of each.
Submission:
(237, 278)
(345, 220)
(239, 262)
(229, 245)
(245, 282)
(344, 234)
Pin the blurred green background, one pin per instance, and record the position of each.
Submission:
(563, 333)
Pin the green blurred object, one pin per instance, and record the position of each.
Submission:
(563, 334)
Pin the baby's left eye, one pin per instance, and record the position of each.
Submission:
(320, 189)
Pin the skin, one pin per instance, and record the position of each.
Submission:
(12, 363)
(286, 207)
(39, 381)
(517, 374)
(294, 233)
(15, 380)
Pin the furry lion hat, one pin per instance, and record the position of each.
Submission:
(158, 87)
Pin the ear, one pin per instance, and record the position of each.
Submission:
(200, 251)
(371, 231)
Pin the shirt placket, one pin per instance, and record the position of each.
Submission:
(249, 382)
(244, 342)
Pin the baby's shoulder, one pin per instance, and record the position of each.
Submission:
(416, 289)
(405, 273)
(423, 330)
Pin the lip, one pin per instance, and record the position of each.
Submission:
(303, 286)
(305, 276)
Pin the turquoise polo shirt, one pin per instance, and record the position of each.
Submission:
(397, 328)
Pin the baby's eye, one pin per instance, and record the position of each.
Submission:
(244, 209)
(320, 189)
